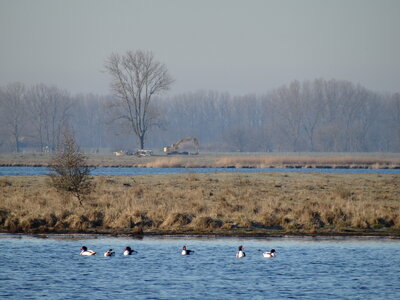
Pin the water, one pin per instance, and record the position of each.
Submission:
(40, 171)
(305, 268)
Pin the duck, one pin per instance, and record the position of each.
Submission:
(270, 253)
(128, 251)
(186, 251)
(109, 253)
(240, 253)
(86, 252)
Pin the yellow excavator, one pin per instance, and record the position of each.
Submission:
(174, 148)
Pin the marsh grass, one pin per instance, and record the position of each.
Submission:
(308, 161)
(221, 203)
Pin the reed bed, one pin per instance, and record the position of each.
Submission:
(226, 160)
(224, 203)
(308, 161)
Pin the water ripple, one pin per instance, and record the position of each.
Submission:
(303, 269)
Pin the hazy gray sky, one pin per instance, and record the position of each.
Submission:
(226, 45)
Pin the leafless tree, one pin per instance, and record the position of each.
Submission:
(319, 115)
(13, 111)
(313, 106)
(49, 112)
(288, 105)
(136, 78)
(69, 170)
(89, 119)
(394, 117)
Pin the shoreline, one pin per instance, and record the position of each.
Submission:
(353, 167)
(223, 160)
(176, 235)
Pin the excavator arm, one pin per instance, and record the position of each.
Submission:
(174, 148)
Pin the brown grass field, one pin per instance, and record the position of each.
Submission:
(225, 160)
(261, 204)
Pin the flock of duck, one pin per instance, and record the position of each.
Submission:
(185, 251)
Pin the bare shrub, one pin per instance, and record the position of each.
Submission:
(70, 172)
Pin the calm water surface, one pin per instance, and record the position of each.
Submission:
(40, 171)
(305, 268)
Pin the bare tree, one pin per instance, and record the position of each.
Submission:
(49, 112)
(394, 117)
(88, 115)
(317, 115)
(12, 107)
(313, 109)
(288, 106)
(136, 78)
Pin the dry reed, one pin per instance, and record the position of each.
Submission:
(224, 203)
(223, 160)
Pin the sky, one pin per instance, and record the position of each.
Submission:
(233, 46)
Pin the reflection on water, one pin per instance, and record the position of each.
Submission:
(304, 268)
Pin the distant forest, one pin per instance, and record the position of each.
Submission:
(318, 115)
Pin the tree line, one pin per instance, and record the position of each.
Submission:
(319, 115)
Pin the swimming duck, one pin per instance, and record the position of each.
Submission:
(240, 253)
(270, 253)
(186, 251)
(109, 253)
(128, 251)
(86, 252)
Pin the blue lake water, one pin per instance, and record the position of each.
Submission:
(305, 268)
(40, 171)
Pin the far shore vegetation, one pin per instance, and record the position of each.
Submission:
(224, 160)
(245, 204)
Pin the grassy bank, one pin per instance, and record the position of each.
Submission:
(226, 204)
(225, 160)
